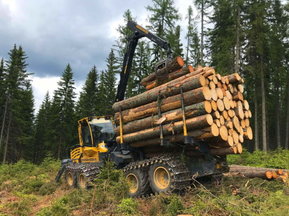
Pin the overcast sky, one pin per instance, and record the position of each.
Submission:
(54, 33)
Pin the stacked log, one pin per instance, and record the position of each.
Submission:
(212, 107)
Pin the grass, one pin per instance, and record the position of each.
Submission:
(28, 189)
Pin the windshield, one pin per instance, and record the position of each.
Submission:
(102, 130)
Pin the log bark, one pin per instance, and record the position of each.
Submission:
(234, 78)
(193, 123)
(170, 103)
(223, 151)
(173, 115)
(210, 132)
(254, 172)
(173, 65)
(169, 77)
(171, 88)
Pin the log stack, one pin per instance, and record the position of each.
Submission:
(258, 172)
(212, 108)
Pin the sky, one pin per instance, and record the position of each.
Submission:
(55, 33)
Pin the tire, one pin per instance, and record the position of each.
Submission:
(70, 178)
(82, 181)
(160, 178)
(138, 182)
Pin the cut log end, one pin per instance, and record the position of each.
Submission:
(207, 93)
(224, 133)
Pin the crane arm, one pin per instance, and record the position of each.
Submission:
(139, 32)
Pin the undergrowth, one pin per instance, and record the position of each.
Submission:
(273, 159)
(24, 185)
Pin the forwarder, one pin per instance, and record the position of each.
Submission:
(167, 167)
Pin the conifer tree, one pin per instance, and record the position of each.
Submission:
(256, 63)
(163, 16)
(18, 113)
(107, 87)
(88, 103)
(174, 39)
(277, 57)
(42, 142)
(193, 54)
(101, 94)
(222, 42)
(63, 109)
(202, 5)
(142, 66)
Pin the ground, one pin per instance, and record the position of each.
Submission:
(28, 189)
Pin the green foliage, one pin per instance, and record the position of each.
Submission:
(273, 159)
(88, 103)
(174, 205)
(110, 186)
(22, 207)
(107, 89)
(16, 94)
(163, 16)
(63, 127)
(127, 206)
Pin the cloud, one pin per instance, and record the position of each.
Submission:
(42, 85)
(54, 33)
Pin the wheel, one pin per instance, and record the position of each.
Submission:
(82, 181)
(138, 183)
(160, 178)
(70, 178)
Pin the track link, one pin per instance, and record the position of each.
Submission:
(181, 176)
(90, 170)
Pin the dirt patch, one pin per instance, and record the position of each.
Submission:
(45, 201)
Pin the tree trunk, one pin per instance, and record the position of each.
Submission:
(277, 109)
(263, 103)
(287, 118)
(202, 33)
(237, 54)
(3, 123)
(170, 103)
(7, 141)
(256, 121)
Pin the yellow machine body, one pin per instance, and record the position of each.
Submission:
(90, 145)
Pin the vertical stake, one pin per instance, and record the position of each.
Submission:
(161, 126)
(183, 113)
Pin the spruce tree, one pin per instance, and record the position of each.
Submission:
(222, 44)
(193, 54)
(256, 57)
(125, 35)
(107, 86)
(162, 18)
(101, 94)
(142, 66)
(42, 141)
(202, 5)
(64, 116)
(277, 55)
(18, 108)
(88, 103)
(174, 39)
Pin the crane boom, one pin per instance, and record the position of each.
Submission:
(139, 32)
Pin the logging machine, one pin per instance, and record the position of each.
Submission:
(161, 168)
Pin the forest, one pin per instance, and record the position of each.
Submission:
(250, 37)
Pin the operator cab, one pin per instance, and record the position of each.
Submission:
(95, 135)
